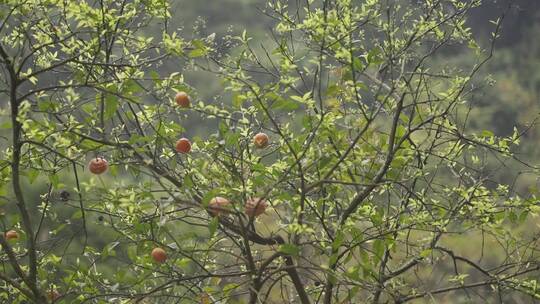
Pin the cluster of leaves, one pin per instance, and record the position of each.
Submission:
(371, 174)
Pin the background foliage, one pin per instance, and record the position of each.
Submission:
(456, 205)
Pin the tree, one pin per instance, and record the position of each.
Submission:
(370, 178)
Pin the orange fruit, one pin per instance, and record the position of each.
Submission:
(159, 255)
(183, 145)
(98, 165)
(11, 235)
(261, 140)
(218, 205)
(255, 206)
(182, 99)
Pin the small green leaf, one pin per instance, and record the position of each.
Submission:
(238, 100)
(374, 57)
(133, 87)
(32, 175)
(197, 53)
(425, 253)
(378, 248)
(76, 215)
(108, 250)
(357, 64)
(111, 105)
(289, 249)
(231, 138)
(229, 287)
(284, 104)
(213, 226)
(487, 133)
(6, 125)
(55, 180)
(132, 252)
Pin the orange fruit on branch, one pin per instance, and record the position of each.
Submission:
(255, 206)
(218, 206)
(183, 145)
(11, 235)
(98, 165)
(182, 99)
(261, 140)
(159, 255)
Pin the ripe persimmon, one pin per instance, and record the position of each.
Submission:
(255, 206)
(11, 235)
(159, 255)
(261, 140)
(98, 165)
(218, 206)
(182, 99)
(183, 145)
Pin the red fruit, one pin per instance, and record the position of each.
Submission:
(183, 145)
(255, 206)
(261, 140)
(159, 255)
(98, 165)
(182, 99)
(218, 206)
(53, 295)
(11, 235)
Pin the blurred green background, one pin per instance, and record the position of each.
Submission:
(511, 100)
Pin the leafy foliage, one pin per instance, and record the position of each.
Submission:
(372, 175)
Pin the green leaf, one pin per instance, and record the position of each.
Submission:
(111, 105)
(32, 175)
(289, 249)
(512, 216)
(338, 240)
(374, 57)
(184, 263)
(132, 252)
(213, 226)
(76, 215)
(357, 64)
(425, 253)
(333, 90)
(284, 104)
(90, 145)
(353, 272)
(523, 216)
(231, 138)
(487, 133)
(198, 44)
(197, 53)
(238, 100)
(187, 181)
(200, 49)
(229, 287)
(46, 105)
(133, 87)
(378, 248)
(108, 250)
(55, 180)
(6, 125)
